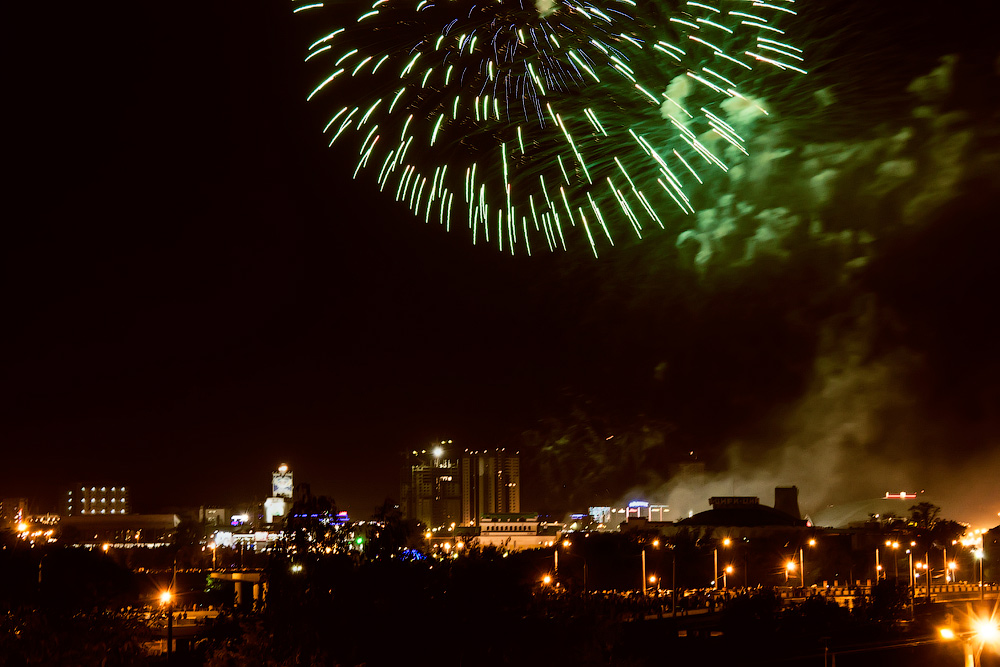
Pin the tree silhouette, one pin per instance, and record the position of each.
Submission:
(924, 515)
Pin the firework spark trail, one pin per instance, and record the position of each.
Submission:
(546, 120)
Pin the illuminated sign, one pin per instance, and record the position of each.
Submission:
(902, 495)
(733, 501)
(638, 503)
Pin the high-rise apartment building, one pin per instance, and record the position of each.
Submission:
(439, 491)
(491, 484)
(431, 488)
(97, 499)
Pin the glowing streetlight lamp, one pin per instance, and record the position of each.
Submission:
(725, 576)
(715, 557)
(802, 562)
(987, 631)
(789, 568)
(166, 599)
(895, 559)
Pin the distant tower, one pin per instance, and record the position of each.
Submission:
(786, 499)
(281, 491)
(281, 482)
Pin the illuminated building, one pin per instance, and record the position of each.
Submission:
(216, 517)
(281, 482)
(431, 488)
(282, 488)
(13, 511)
(491, 484)
(439, 491)
(119, 531)
(97, 499)
(514, 531)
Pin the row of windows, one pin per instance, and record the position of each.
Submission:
(94, 488)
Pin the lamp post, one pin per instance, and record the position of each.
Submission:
(715, 557)
(929, 572)
(166, 598)
(909, 552)
(895, 559)
(644, 571)
(980, 557)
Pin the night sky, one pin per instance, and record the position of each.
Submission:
(195, 290)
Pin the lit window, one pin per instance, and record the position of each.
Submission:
(102, 511)
(112, 511)
(103, 489)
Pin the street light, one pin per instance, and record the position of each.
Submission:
(727, 571)
(715, 572)
(789, 568)
(802, 562)
(895, 559)
(166, 598)
(979, 556)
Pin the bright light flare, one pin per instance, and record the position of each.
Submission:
(946, 633)
(165, 597)
(987, 631)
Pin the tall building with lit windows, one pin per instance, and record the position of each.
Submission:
(491, 484)
(96, 499)
(438, 490)
(430, 488)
